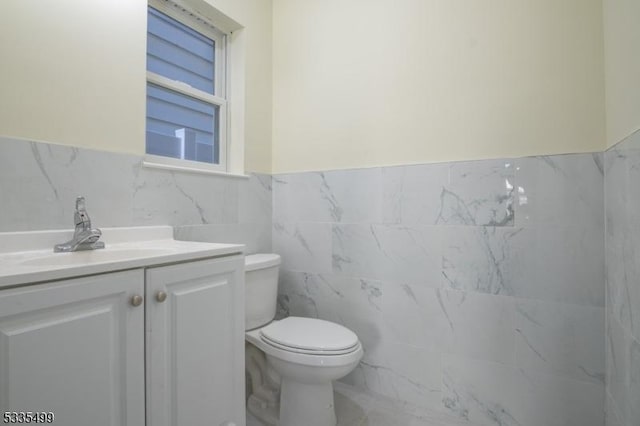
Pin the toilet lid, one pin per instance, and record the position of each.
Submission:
(309, 334)
(260, 261)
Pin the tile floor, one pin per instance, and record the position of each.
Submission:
(356, 408)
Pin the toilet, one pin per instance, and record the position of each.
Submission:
(295, 358)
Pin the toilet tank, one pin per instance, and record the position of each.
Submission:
(261, 289)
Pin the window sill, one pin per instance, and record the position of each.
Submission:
(187, 169)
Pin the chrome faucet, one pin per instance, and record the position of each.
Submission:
(84, 237)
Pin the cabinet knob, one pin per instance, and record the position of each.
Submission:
(136, 300)
(161, 296)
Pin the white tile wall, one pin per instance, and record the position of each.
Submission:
(476, 288)
(39, 183)
(622, 238)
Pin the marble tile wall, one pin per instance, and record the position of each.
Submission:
(39, 183)
(622, 210)
(476, 288)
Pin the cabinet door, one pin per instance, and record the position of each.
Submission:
(75, 348)
(195, 343)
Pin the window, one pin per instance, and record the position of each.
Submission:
(186, 89)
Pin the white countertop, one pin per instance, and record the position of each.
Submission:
(28, 257)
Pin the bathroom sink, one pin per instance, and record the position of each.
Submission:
(95, 256)
(28, 257)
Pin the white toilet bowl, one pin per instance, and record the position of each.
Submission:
(308, 354)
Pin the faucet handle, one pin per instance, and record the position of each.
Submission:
(81, 217)
(80, 203)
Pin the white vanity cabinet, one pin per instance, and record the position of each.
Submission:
(92, 353)
(75, 348)
(195, 343)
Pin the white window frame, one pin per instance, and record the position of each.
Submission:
(219, 98)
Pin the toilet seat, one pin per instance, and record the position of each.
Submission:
(309, 336)
(308, 352)
(348, 352)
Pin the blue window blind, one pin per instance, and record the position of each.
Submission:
(167, 133)
(177, 52)
(178, 125)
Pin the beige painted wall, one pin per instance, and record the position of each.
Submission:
(622, 67)
(378, 82)
(73, 73)
(255, 16)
